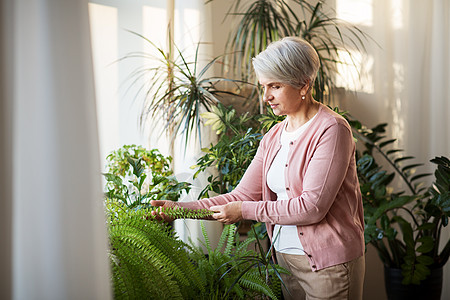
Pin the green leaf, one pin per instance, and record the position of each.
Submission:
(385, 222)
(383, 144)
(426, 226)
(407, 231)
(427, 244)
(425, 259)
(408, 167)
(397, 160)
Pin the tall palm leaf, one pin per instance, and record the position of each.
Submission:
(264, 21)
(177, 91)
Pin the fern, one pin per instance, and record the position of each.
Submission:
(231, 231)
(252, 280)
(207, 243)
(237, 272)
(222, 239)
(148, 260)
(184, 213)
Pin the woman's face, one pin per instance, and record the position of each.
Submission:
(283, 98)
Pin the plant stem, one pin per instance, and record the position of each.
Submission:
(411, 214)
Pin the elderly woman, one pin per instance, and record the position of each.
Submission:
(302, 182)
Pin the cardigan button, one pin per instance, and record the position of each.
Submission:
(287, 189)
(291, 143)
(286, 165)
(309, 255)
(301, 233)
(314, 266)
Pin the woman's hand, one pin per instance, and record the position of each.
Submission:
(229, 213)
(164, 204)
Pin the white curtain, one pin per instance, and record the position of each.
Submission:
(407, 85)
(406, 74)
(57, 232)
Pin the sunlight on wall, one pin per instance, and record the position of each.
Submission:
(358, 12)
(103, 22)
(356, 72)
(189, 26)
(397, 14)
(155, 17)
(152, 18)
(186, 30)
(397, 107)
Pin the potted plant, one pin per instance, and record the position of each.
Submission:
(135, 175)
(260, 22)
(177, 89)
(404, 227)
(237, 141)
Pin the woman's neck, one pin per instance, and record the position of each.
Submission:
(303, 115)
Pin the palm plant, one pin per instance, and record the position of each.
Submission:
(178, 90)
(264, 21)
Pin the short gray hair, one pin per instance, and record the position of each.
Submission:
(290, 60)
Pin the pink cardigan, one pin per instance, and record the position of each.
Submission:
(321, 181)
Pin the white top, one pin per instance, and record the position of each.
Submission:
(285, 237)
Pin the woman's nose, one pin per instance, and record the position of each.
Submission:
(267, 96)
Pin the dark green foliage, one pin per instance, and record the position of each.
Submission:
(269, 120)
(418, 213)
(136, 175)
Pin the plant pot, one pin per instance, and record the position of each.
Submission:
(429, 288)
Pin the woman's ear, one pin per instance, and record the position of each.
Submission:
(304, 90)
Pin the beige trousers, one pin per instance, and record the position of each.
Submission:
(343, 281)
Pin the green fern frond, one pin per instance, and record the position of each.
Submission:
(184, 213)
(252, 280)
(242, 246)
(223, 238)
(206, 238)
(148, 260)
(139, 273)
(230, 231)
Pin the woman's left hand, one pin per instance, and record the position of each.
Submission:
(229, 213)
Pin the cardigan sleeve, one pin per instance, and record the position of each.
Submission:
(322, 180)
(248, 189)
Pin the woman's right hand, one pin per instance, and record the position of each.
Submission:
(164, 204)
